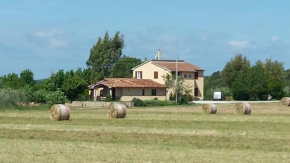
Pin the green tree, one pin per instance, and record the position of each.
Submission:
(74, 86)
(239, 87)
(239, 65)
(11, 81)
(183, 91)
(275, 71)
(123, 67)
(55, 97)
(287, 77)
(215, 83)
(257, 82)
(85, 74)
(27, 78)
(103, 56)
(1, 84)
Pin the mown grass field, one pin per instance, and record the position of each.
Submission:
(161, 134)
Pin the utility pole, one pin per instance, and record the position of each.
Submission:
(176, 76)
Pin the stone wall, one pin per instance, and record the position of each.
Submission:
(96, 104)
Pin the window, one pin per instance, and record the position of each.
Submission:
(153, 92)
(155, 74)
(195, 75)
(174, 73)
(143, 92)
(185, 75)
(195, 91)
(189, 76)
(138, 74)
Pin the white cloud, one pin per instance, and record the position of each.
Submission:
(239, 44)
(274, 38)
(52, 38)
(50, 33)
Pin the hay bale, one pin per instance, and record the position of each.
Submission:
(59, 112)
(209, 108)
(285, 101)
(116, 110)
(243, 108)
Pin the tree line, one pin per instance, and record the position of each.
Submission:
(240, 80)
(105, 60)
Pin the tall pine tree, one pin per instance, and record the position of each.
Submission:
(103, 56)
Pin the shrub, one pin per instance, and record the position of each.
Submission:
(55, 97)
(137, 102)
(39, 96)
(154, 102)
(10, 97)
(109, 97)
(171, 96)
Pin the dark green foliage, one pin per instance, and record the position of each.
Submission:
(109, 98)
(26, 78)
(11, 81)
(154, 102)
(137, 102)
(123, 67)
(1, 84)
(171, 96)
(256, 82)
(287, 77)
(39, 96)
(239, 87)
(72, 83)
(239, 65)
(54, 97)
(215, 83)
(103, 56)
(276, 89)
(253, 83)
(74, 86)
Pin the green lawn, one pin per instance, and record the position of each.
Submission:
(162, 134)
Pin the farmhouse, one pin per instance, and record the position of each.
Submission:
(148, 82)
(156, 69)
(125, 89)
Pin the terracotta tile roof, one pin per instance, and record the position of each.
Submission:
(130, 83)
(182, 66)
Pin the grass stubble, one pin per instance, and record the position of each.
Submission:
(163, 134)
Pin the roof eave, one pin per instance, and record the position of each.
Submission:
(140, 65)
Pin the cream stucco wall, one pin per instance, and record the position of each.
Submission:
(129, 98)
(138, 91)
(148, 70)
(129, 93)
(195, 83)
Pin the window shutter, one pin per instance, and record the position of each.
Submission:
(155, 74)
(196, 75)
(140, 74)
(136, 74)
(196, 91)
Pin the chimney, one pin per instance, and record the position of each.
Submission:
(159, 54)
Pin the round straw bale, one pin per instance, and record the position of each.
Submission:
(116, 110)
(209, 108)
(285, 101)
(243, 108)
(59, 112)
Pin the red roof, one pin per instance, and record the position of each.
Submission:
(129, 83)
(182, 66)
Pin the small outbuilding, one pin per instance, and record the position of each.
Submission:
(125, 89)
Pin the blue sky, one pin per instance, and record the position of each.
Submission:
(45, 36)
